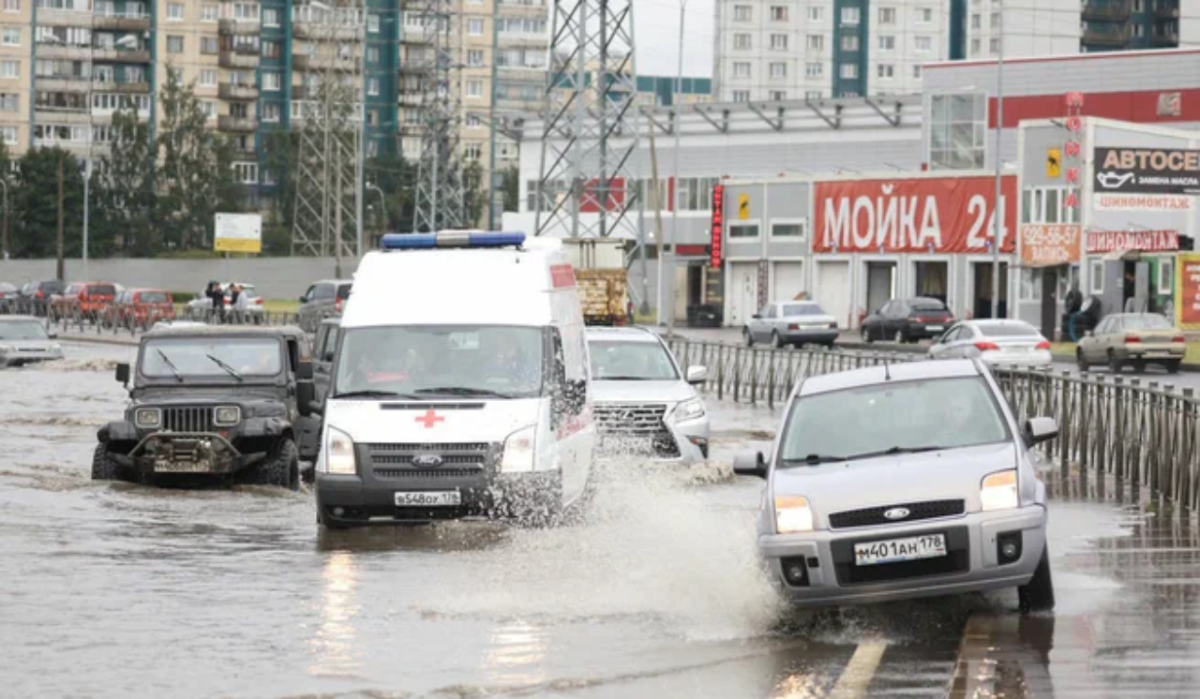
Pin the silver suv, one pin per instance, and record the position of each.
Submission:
(913, 480)
(644, 404)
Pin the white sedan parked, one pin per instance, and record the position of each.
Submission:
(1007, 342)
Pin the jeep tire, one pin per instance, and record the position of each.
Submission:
(103, 466)
(282, 468)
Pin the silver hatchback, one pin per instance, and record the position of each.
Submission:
(903, 481)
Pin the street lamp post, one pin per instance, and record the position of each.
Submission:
(673, 237)
(997, 213)
(4, 248)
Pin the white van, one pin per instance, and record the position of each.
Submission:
(459, 386)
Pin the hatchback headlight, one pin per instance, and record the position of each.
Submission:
(690, 409)
(339, 453)
(147, 417)
(999, 491)
(227, 415)
(519, 451)
(792, 514)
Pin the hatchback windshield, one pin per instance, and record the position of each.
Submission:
(219, 356)
(928, 305)
(802, 309)
(630, 361)
(878, 419)
(22, 330)
(1146, 321)
(438, 361)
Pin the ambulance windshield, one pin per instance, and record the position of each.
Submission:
(434, 362)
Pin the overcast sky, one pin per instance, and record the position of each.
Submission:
(657, 34)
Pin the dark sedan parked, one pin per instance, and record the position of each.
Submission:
(908, 320)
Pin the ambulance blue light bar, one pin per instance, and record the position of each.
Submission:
(452, 239)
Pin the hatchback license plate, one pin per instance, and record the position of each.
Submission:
(448, 498)
(898, 550)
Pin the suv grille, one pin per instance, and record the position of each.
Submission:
(188, 420)
(635, 427)
(873, 516)
(467, 460)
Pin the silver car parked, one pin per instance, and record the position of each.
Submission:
(793, 323)
(24, 340)
(902, 481)
(996, 342)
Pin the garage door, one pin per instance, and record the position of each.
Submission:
(742, 293)
(833, 290)
(787, 280)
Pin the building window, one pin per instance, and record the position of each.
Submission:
(923, 44)
(475, 88)
(174, 44)
(373, 86)
(474, 122)
(886, 70)
(271, 49)
(795, 230)
(741, 96)
(208, 45)
(271, 82)
(994, 46)
(12, 5)
(816, 42)
(175, 12)
(778, 95)
(475, 27)
(1166, 275)
(270, 17)
(10, 102)
(813, 95)
(850, 42)
(9, 134)
(475, 58)
(917, 72)
(209, 13)
(994, 20)
(208, 108)
(849, 71)
(977, 21)
(208, 77)
(925, 15)
(779, 13)
(10, 70)
(887, 43)
(851, 16)
(887, 15)
(372, 54)
(741, 69)
(472, 152)
(779, 42)
(11, 36)
(373, 24)
(1031, 284)
(742, 42)
(743, 13)
(779, 70)
(814, 70)
(743, 230)
(976, 45)
(270, 111)
(246, 173)
(816, 14)
(957, 131)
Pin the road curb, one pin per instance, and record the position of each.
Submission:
(921, 349)
(99, 340)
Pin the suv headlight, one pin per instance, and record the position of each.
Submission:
(227, 415)
(147, 417)
(999, 491)
(519, 450)
(689, 409)
(792, 514)
(339, 453)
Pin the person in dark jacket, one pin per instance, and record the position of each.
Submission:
(1073, 303)
(217, 295)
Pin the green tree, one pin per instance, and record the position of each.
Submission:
(197, 169)
(475, 194)
(10, 185)
(280, 150)
(124, 199)
(34, 220)
(511, 186)
(395, 177)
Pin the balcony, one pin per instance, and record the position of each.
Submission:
(301, 61)
(513, 40)
(127, 22)
(66, 83)
(70, 52)
(239, 58)
(1107, 10)
(239, 26)
(48, 115)
(246, 152)
(304, 29)
(237, 124)
(63, 18)
(1166, 39)
(1164, 12)
(117, 55)
(1116, 37)
(123, 87)
(233, 91)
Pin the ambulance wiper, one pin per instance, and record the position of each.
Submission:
(371, 393)
(464, 391)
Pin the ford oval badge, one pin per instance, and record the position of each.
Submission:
(433, 461)
(896, 513)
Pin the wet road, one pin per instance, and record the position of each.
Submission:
(123, 591)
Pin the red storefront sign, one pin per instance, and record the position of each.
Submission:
(718, 224)
(920, 215)
(1146, 241)
(1187, 292)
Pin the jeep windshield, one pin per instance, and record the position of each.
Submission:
(892, 418)
(433, 362)
(22, 330)
(209, 358)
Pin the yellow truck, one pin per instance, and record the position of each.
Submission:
(603, 295)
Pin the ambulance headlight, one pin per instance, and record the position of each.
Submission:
(519, 452)
(339, 453)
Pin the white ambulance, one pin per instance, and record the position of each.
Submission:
(459, 387)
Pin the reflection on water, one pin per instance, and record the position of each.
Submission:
(516, 654)
(333, 647)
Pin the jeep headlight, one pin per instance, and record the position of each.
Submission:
(999, 491)
(690, 409)
(519, 451)
(792, 514)
(150, 418)
(339, 453)
(227, 415)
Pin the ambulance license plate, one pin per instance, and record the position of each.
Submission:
(448, 498)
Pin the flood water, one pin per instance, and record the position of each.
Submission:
(116, 590)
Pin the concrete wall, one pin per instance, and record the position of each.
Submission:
(276, 278)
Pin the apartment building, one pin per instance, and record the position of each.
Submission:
(1043, 28)
(1116, 25)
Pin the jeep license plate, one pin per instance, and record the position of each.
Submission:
(448, 498)
(180, 467)
(899, 550)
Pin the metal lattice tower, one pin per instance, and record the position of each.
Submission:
(589, 133)
(440, 192)
(329, 41)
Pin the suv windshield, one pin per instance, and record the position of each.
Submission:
(630, 361)
(436, 361)
(22, 330)
(876, 419)
(194, 356)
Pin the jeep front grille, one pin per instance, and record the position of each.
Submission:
(188, 420)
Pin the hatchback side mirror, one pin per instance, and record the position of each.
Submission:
(123, 374)
(747, 465)
(697, 374)
(1041, 429)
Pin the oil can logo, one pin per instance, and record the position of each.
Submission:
(896, 513)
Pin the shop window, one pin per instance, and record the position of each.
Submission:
(958, 131)
(1166, 275)
(1031, 284)
(796, 231)
(1096, 277)
(743, 230)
